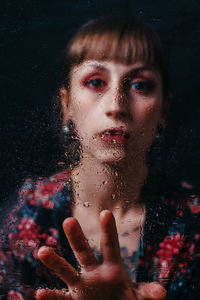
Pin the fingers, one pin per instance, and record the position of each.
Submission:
(79, 243)
(61, 267)
(46, 294)
(153, 290)
(110, 248)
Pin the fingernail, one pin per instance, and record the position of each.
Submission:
(41, 249)
(105, 211)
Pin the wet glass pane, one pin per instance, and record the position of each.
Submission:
(100, 149)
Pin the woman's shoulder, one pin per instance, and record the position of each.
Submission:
(36, 200)
(184, 199)
(173, 192)
(180, 203)
(43, 191)
(34, 197)
(177, 253)
(29, 223)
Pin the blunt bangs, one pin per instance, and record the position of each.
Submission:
(116, 40)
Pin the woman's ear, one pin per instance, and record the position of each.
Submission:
(65, 104)
(165, 109)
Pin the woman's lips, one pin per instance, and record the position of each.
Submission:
(115, 135)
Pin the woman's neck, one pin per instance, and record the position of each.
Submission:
(103, 186)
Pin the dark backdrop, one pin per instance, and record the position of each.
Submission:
(33, 36)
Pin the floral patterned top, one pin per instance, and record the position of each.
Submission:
(170, 252)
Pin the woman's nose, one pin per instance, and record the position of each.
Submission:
(117, 105)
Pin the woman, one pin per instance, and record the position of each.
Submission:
(122, 225)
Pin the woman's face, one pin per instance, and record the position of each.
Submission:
(115, 107)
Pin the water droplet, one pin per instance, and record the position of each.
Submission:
(65, 129)
(63, 291)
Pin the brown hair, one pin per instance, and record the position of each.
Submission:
(125, 41)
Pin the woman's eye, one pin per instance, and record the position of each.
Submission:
(95, 83)
(142, 86)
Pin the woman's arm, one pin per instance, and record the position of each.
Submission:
(95, 281)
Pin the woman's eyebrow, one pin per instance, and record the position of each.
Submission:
(138, 70)
(130, 73)
(97, 66)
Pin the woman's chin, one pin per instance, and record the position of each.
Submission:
(111, 156)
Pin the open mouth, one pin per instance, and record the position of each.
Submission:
(115, 135)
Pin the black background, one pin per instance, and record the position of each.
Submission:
(33, 36)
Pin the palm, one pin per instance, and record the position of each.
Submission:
(104, 281)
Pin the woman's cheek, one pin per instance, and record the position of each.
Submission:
(148, 119)
(153, 112)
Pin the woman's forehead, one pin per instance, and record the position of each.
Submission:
(105, 64)
(113, 66)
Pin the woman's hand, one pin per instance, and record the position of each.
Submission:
(106, 281)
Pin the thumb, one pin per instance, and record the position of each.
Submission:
(153, 291)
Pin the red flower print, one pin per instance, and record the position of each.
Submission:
(41, 192)
(169, 248)
(29, 238)
(193, 202)
(14, 295)
(195, 209)
(48, 204)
